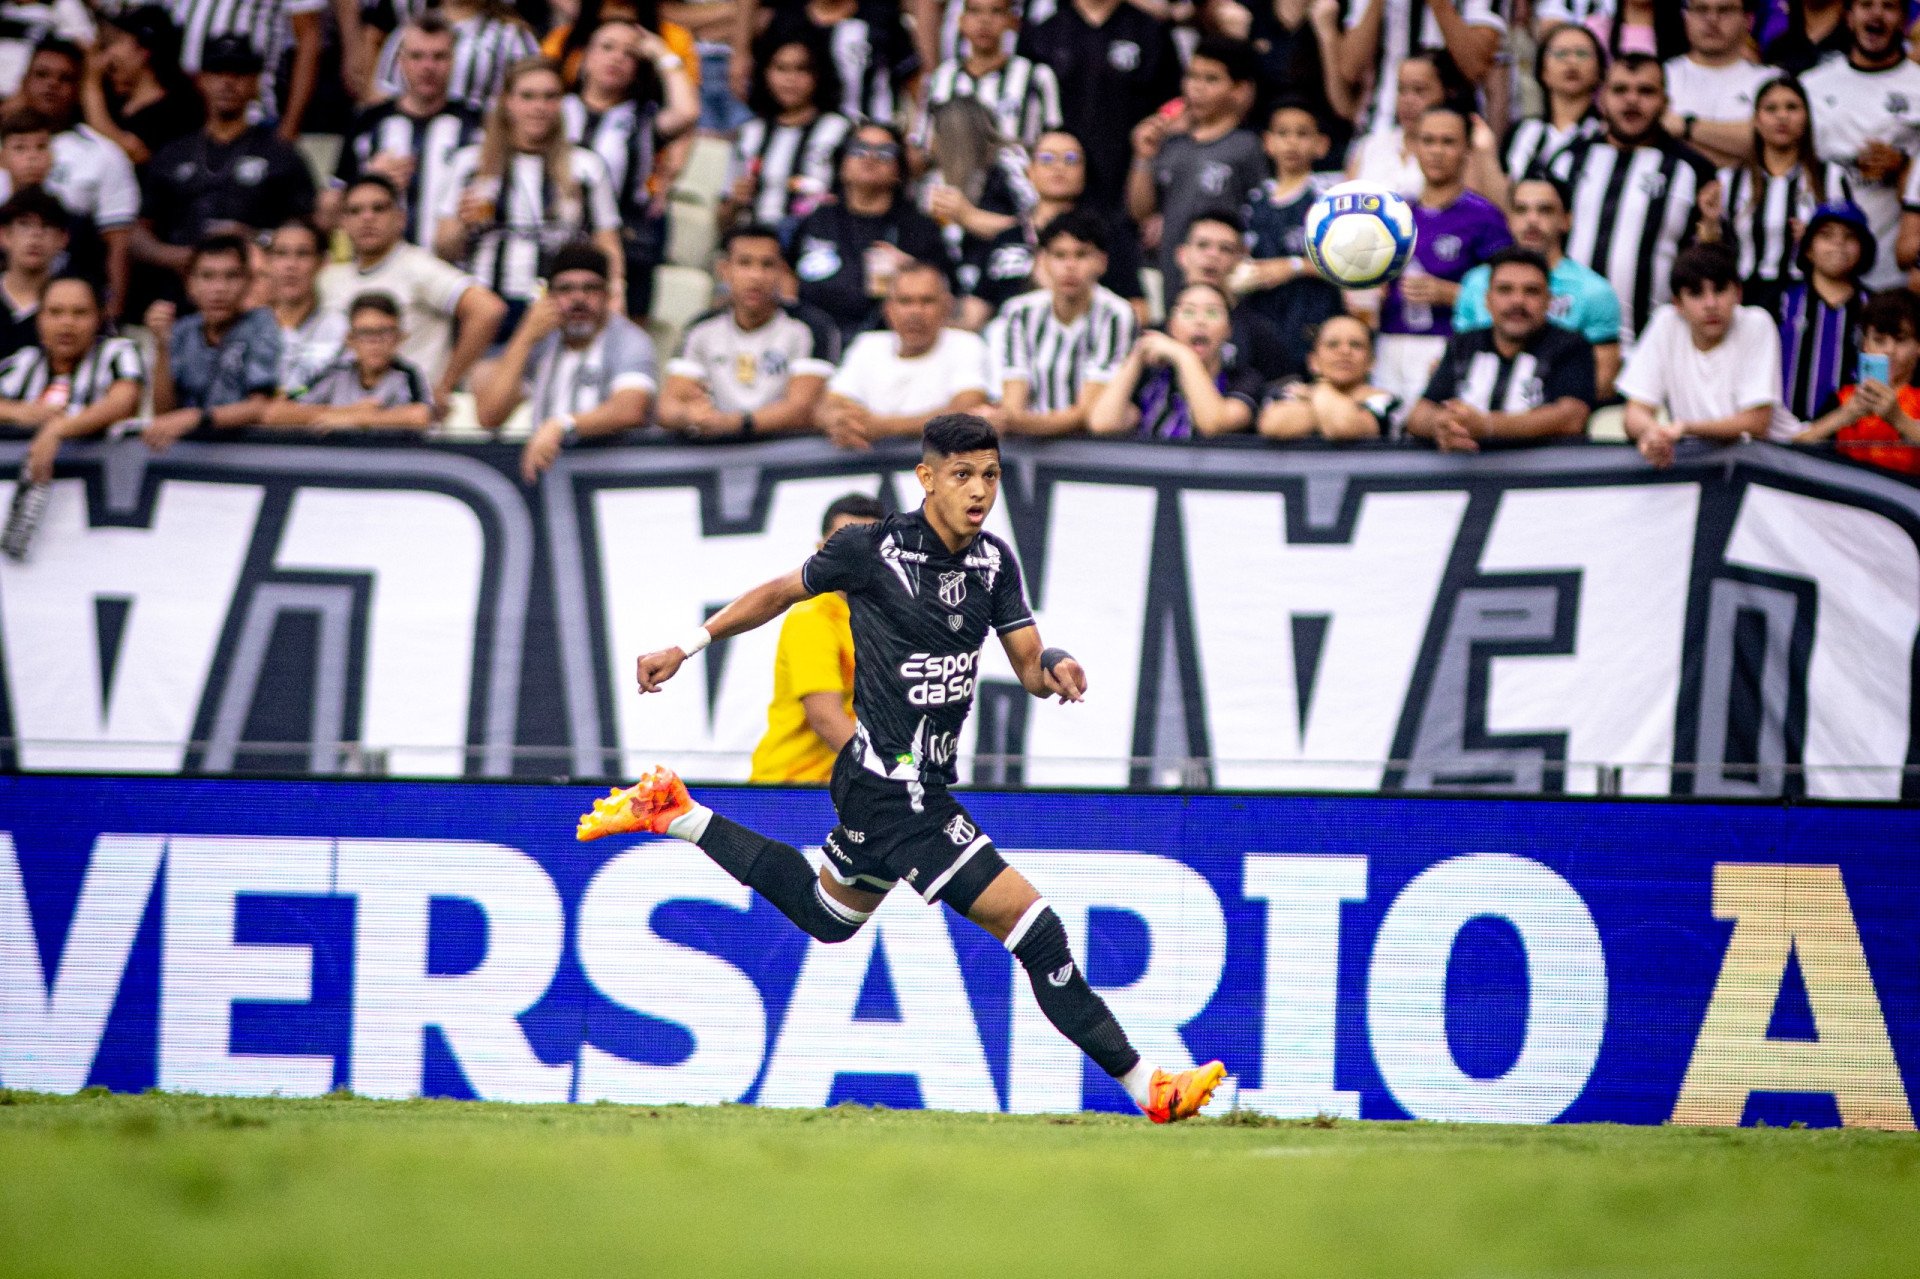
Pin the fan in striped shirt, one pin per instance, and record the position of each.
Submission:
(870, 47)
(489, 37)
(1770, 200)
(271, 26)
(1637, 192)
(75, 383)
(1568, 72)
(411, 140)
(1021, 93)
(783, 161)
(1053, 349)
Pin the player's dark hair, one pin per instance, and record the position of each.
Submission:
(1084, 226)
(1224, 216)
(1702, 265)
(579, 255)
(1241, 63)
(1448, 108)
(1894, 312)
(35, 202)
(952, 433)
(859, 506)
(752, 231)
(300, 222)
(380, 302)
(1514, 255)
(214, 246)
(1313, 334)
(429, 22)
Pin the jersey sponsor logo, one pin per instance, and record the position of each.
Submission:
(1061, 975)
(986, 557)
(1533, 393)
(854, 836)
(897, 559)
(953, 589)
(960, 830)
(1010, 262)
(832, 848)
(937, 679)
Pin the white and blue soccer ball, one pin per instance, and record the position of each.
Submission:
(1360, 234)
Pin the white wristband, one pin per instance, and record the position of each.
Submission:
(669, 62)
(696, 640)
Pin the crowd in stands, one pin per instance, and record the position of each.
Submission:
(1658, 220)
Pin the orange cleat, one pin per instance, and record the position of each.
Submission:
(643, 808)
(1180, 1095)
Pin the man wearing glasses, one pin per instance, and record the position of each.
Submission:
(1058, 172)
(370, 387)
(587, 370)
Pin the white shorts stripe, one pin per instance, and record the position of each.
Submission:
(1025, 925)
(965, 856)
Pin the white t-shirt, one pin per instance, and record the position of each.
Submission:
(874, 375)
(1715, 93)
(1668, 371)
(424, 287)
(92, 177)
(1852, 107)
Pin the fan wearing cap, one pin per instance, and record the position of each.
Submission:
(229, 176)
(587, 369)
(1820, 316)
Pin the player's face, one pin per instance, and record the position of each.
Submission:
(1902, 351)
(1834, 251)
(293, 262)
(217, 284)
(1417, 89)
(1780, 117)
(1074, 266)
(69, 320)
(122, 58)
(1634, 99)
(374, 338)
(1538, 221)
(1875, 25)
(872, 161)
(985, 23)
(426, 63)
(1517, 300)
(51, 85)
(1207, 87)
(228, 95)
(961, 488)
(27, 158)
(372, 221)
(753, 272)
(1059, 168)
(1342, 352)
(31, 244)
(1199, 319)
(917, 307)
(1708, 311)
(1441, 147)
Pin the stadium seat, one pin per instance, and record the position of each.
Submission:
(1154, 285)
(1608, 425)
(680, 293)
(704, 176)
(322, 153)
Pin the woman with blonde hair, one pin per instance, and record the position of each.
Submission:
(979, 194)
(523, 191)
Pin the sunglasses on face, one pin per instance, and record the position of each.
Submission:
(1057, 157)
(873, 151)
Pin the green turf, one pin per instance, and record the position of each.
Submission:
(170, 1185)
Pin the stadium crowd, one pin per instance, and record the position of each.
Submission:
(1642, 219)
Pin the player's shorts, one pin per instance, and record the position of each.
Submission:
(882, 839)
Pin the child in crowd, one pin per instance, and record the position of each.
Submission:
(1820, 316)
(368, 388)
(1338, 403)
(1278, 282)
(33, 234)
(1877, 419)
(1178, 385)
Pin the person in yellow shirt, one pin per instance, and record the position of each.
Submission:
(811, 715)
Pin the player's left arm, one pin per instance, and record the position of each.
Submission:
(1044, 672)
(756, 608)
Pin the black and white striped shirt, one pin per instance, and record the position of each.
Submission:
(1532, 143)
(872, 50)
(1056, 360)
(1023, 95)
(483, 49)
(1763, 208)
(1407, 27)
(386, 129)
(531, 218)
(793, 164)
(26, 374)
(267, 23)
(1631, 208)
(623, 138)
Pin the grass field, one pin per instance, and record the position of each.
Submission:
(170, 1185)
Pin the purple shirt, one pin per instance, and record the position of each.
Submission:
(1452, 242)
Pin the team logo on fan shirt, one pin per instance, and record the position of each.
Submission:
(1123, 55)
(953, 589)
(1447, 247)
(250, 170)
(818, 259)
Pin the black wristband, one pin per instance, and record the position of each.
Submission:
(204, 421)
(1052, 657)
(746, 424)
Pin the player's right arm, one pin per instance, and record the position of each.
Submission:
(756, 608)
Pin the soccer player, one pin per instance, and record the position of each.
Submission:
(924, 588)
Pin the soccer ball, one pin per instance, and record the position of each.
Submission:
(1360, 234)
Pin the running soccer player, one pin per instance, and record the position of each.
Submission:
(924, 588)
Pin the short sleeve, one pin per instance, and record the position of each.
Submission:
(1759, 358)
(599, 209)
(810, 647)
(691, 361)
(262, 370)
(1010, 339)
(1644, 377)
(966, 363)
(119, 202)
(1571, 376)
(823, 344)
(843, 564)
(1010, 611)
(15, 370)
(1470, 306)
(1444, 385)
(1599, 315)
(850, 379)
(124, 363)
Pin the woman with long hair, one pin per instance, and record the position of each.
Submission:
(1385, 155)
(1339, 401)
(1658, 27)
(523, 191)
(489, 37)
(1571, 64)
(1177, 385)
(783, 161)
(75, 382)
(615, 111)
(977, 190)
(1770, 198)
(567, 43)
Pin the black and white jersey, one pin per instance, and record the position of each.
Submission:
(1031, 344)
(1407, 27)
(920, 614)
(532, 217)
(26, 374)
(623, 138)
(387, 130)
(873, 52)
(1763, 209)
(1531, 143)
(483, 49)
(268, 24)
(953, 46)
(1023, 96)
(1632, 207)
(1556, 365)
(791, 164)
